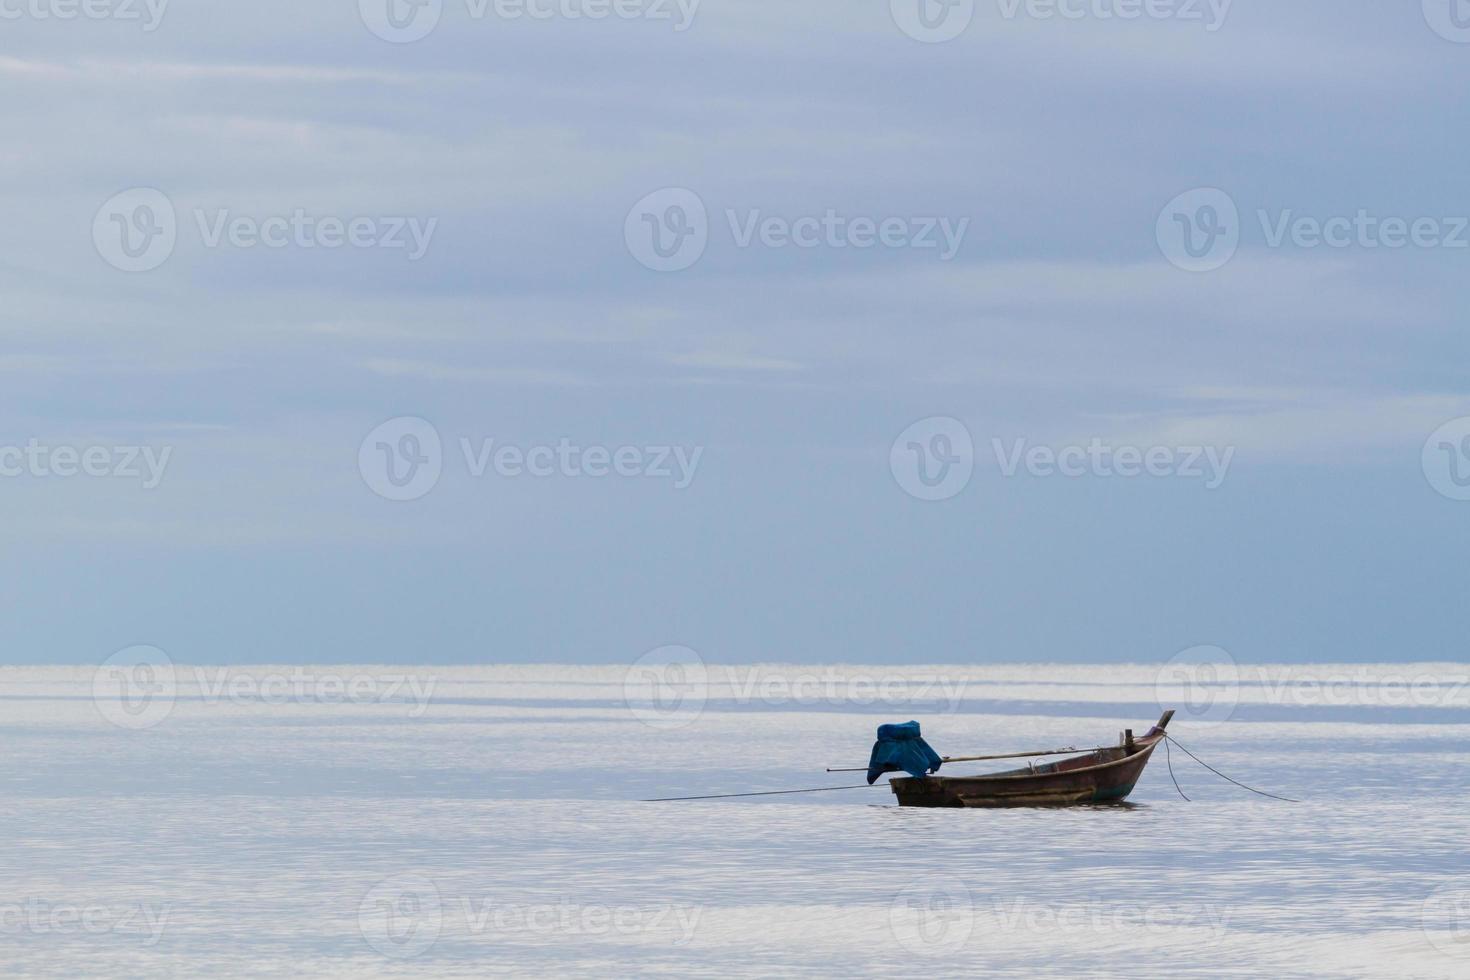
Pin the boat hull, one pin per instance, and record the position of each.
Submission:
(1100, 777)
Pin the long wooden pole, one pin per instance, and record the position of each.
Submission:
(986, 758)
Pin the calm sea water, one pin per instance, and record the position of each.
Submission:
(485, 821)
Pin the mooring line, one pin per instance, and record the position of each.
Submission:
(773, 792)
(1284, 799)
(1169, 758)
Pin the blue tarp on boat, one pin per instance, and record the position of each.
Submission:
(900, 749)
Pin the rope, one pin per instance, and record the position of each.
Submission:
(774, 792)
(1169, 758)
(1217, 772)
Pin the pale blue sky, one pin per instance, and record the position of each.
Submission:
(528, 321)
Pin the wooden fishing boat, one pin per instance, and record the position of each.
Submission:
(1103, 775)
